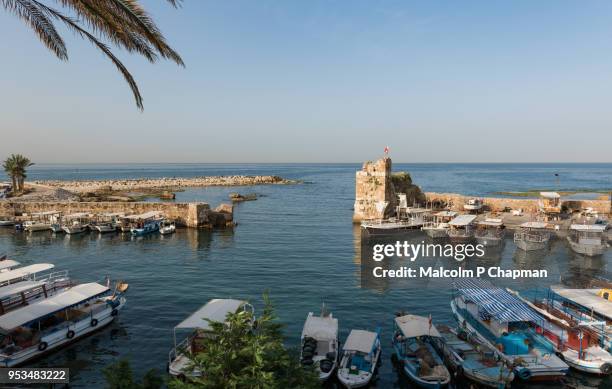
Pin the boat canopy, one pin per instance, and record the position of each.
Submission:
(550, 195)
(587, 298)
(215, 310)
(413, 326)
(588, 227)
(534, 225)
(113, 214)
(361, 341)
(491, 222)
(76, 215)
(321, 328)
(46, 213)
(446, 214)
(24, 271)
(7, 264)
(35, 311)
(11, 290)
(495, 302)
(462, 220)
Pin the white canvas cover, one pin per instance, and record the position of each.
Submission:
(8, 263)
(361, 341)
(446, 214)
(588, 227)
(215, 310)
(413, 326)
(321, 328)
(491, 222)
(534, 225)
(19, 287)
(550, 195)
(588, 298)
(25, 271)
(462, 220)
(58, 302)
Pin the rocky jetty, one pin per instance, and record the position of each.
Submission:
(165, 182)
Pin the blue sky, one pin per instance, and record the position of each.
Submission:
(325, 81)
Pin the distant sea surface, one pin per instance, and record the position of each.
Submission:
(297, 241)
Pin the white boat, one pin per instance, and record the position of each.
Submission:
(386, 227)
(490, 232)
(532, 236)
(414, 347)
(51, 323)
(577, 344)
(40, 221)
(319, 344)
(360, 357)
(167, 228)
(438, 227)
(6, 222)
(108, 222)
(473, 204)
(7, 264)
(30, 272)
(461, 228)
(215, 310)
(25, 292)
(506, 324)
(588, 239)
(76, 223)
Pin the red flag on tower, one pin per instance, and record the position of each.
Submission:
(386, 149)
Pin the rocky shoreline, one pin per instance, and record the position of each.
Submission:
(163, 183)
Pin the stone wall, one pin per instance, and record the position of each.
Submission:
(455, 202)
(184, 214)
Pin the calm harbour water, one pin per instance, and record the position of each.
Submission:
(296, 241)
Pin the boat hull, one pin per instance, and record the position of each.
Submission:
(37, 227)
(436, 233)
(531, 246)
(590, 250)
(103, 228)
(75, 229)
(6, 223)
(489, 241)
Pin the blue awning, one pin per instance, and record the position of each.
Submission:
(496, 302)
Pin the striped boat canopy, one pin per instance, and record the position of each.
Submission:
(498, 303)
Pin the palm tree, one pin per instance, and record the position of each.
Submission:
(124, 23)
(10, 169)
(15, 167)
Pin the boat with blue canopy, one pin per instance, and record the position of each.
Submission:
(505, 323)
(413, 344)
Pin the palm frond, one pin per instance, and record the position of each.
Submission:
(29, 12)
(74, 26)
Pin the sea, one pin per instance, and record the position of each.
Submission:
(295, 242)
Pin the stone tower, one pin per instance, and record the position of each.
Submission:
(373, 185)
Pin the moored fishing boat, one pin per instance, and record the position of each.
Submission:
(473, 359)
(146, 223)
(490, 232)
(576, 343)
(7, 264)
(216, 310)
(413, 344)
(107, 222)
(48, 324)
(76, 223)
(319, 344)
(40, 221)
(461, 228)
(438, 225)
(360, 357)
(6, 222)
(588, 239)
(504, 322)
(532, 236)
(167, 228)
(473, 205)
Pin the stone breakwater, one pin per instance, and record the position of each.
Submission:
(165, 182)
